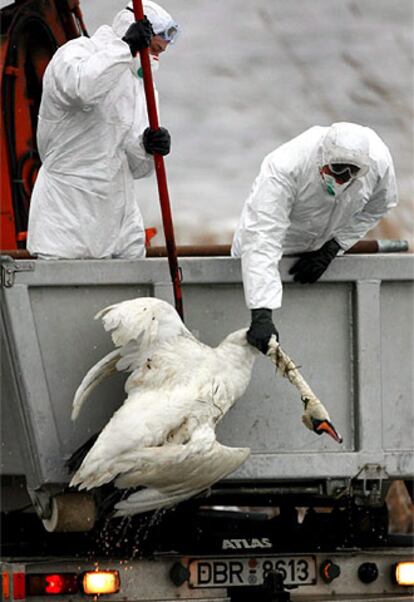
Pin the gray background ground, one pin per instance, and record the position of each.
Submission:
(247, 76)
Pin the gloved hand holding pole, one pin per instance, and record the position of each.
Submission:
(160, 168)
(316, 417)
(138, 35)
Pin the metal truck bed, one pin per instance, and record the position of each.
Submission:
(352, 334)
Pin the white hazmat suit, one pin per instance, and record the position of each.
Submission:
(91, 119)
(290, 209)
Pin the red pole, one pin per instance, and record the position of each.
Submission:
(160, 170)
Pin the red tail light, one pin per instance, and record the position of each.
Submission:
(19, 586)
(52, 584)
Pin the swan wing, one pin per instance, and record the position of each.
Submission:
(194, 475)
(137, 428)
(178, 472)
(147, 319)
(102, 369)
(138, 327)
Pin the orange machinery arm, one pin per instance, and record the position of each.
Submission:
(32, 30)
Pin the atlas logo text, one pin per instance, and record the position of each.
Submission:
(246, 544)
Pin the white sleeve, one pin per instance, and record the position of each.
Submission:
(140, 162)
(265, 222)
(82, 74)
(383, 198)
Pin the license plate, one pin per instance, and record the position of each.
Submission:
(233, 572)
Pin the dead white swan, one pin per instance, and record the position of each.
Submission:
(163, 436)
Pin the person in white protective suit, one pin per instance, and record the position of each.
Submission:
(94, 141)
(318, 193)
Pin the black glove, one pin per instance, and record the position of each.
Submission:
(157, 141)
(261, 329)
(138, 35)
(311, 266)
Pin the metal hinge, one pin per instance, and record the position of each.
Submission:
(9, 267)
(372, 472)
(373, 478)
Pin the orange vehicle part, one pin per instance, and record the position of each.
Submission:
(31, 31)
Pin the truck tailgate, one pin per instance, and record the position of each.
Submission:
(351, 333)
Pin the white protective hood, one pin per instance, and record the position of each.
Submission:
(160, 19)
(346, 143)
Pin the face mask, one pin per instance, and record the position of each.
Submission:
(155, 63)
(332, 186)
(137, 69)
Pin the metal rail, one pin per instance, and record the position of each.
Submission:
(362, 246)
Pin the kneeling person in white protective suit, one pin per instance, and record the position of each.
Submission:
(320, 192)
(94, 141)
